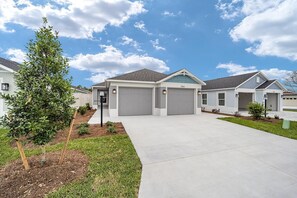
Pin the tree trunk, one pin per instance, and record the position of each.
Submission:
(23, 156)
(67, 140)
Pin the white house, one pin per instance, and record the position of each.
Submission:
(234, 93)
(147, 92)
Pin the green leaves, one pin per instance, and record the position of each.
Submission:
(41, 106)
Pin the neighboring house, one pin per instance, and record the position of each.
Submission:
(234, 93)
(81, 96)
(147, 92)
(7, 70)
(289, 100)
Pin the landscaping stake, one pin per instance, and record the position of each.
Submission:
(67, 140)
(23, 156)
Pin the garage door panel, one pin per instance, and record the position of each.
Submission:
(180, 101)
(135, 101)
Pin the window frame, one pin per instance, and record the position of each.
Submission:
(202, 100)
(218, 99)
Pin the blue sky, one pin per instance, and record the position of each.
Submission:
(213, 38)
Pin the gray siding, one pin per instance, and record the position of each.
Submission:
(230, 98)
(212, 98)
(199, 100)
(180, 101)
(135, 101)
(259, 96)
(274, 86)
(94, 93)
(252, 83)
(157, 98)
(113, 98)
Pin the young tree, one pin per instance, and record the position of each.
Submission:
(41, 106)
(291, 81)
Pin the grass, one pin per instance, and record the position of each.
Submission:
(275, 128)
(114, 169)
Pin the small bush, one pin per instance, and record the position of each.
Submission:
(85, 124)
(276, 117)
(82, 110)
(109, 124)
(111, 129)
(256, 110)
(88, 106)
(83, 129)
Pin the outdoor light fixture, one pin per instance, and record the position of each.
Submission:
(265, 97)
(164, 91)
(4, 86)
(114, 91)
(236, 95)
(199, 92)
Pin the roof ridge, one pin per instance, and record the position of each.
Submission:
(232, 76)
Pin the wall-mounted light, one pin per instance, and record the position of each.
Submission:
(114, 91)
(4, 86)
(164, 91)
(199, 92)
(265, 96)
(236, 95)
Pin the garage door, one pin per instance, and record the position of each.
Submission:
(135, 101)
(180, 101)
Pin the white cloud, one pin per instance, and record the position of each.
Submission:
(113, 62)
(141, 26)
(236, 69)
(268, 26)
(129, 41)
(156, 45)
(16, 55)
(72, 18)
(171, 14)
(190, 25)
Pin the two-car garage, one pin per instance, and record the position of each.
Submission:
(139, 101)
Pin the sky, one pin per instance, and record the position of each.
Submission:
(211, 39)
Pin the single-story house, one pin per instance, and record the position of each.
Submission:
(81, 96)
(289, 100)
(234, 93)
(7, 70)
(147, 92)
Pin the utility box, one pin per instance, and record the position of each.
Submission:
(286, 124)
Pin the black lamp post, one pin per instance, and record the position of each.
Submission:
(265, 105)
(101, 93)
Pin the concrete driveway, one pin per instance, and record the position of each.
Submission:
(200, 156)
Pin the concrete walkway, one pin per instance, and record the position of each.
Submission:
(287, 115)
(201, 156)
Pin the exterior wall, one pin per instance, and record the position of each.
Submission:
(160, 98)
(96, 98)
(81, 99)
(274, 86)
(252, 83)
(231, 102)
(181, 79)
(272, 101)
(113, 98)
(6, 77)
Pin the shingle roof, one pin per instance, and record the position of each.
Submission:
(266, 84)
(10, 64)
(102, 84)
(227, 82)
(141, 75)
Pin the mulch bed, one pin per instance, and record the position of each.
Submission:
(270, 120)
(40, 180)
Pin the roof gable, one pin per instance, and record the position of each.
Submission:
(9, 65)
(182, 72)
(228, 82)
(272, 84)
(181, 79)
(140, 75)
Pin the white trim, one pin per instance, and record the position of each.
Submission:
(131, 81)
(202, 99)
(258, 73)
(243, 90)
(218, 89)
(183, 72)
(7, 69)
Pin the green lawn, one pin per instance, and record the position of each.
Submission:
(293, 110)
(114, 169)
(275, 128)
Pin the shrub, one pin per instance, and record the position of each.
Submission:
(276, 117)
(82, 110)
(256, 110)
(111, 129)
(109, 124)
(88, 106)
(83, 129)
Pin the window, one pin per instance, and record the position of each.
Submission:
(221, 97)
(258, 79)
(204, 99)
